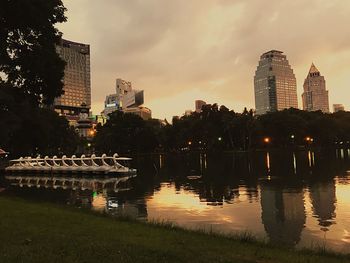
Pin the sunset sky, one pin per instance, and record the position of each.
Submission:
(178, 51)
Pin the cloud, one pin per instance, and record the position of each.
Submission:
(207, 47)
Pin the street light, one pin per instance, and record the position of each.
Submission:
(309, 140)
(267, 140)
(219, 139)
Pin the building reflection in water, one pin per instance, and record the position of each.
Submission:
(283, 213)
(323, 199)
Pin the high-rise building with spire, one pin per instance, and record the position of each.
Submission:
(315, 96)
(274, 83)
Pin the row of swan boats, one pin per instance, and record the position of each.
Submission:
(108, 165)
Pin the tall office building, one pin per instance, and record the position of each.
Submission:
(315, 96)
(274, 83)
(77, 84)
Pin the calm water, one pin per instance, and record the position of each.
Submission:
(300, 199)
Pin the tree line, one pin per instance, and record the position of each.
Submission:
(218, 128)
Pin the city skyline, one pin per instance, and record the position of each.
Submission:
(208, 49)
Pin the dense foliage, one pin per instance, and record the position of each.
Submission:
(126, 133)
(31, 130)
(31, 74)
(218, 128)
(28, 57)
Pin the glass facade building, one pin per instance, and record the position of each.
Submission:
(275, 85)
(315, 96)
(77, 83)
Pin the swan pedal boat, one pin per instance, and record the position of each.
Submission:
(108, 165)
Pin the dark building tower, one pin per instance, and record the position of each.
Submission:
(274, 83)
(77, 86)
(315, 96)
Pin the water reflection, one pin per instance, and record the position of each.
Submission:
(74, 183)
(290, 197)
(283, 213)
(323, 198)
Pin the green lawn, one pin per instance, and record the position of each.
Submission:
(41, 232)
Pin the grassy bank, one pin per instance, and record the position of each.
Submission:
(40, 232)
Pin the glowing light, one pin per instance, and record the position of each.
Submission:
(219, 139)
(189, 143)
(309, 157)
(267, 140)
(309, 139)
(268, 161)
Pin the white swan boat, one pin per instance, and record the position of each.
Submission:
(94, 164)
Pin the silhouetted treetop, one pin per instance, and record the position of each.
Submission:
(28, 38)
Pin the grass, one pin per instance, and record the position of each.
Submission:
(41, 232)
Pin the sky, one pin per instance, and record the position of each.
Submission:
(183, 50)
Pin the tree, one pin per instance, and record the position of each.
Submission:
(31, 74)
(125, 133)
(28, 57)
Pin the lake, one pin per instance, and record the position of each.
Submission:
(300, 198)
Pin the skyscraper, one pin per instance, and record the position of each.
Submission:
(274, 83)
(77, 85)
(315, 96)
